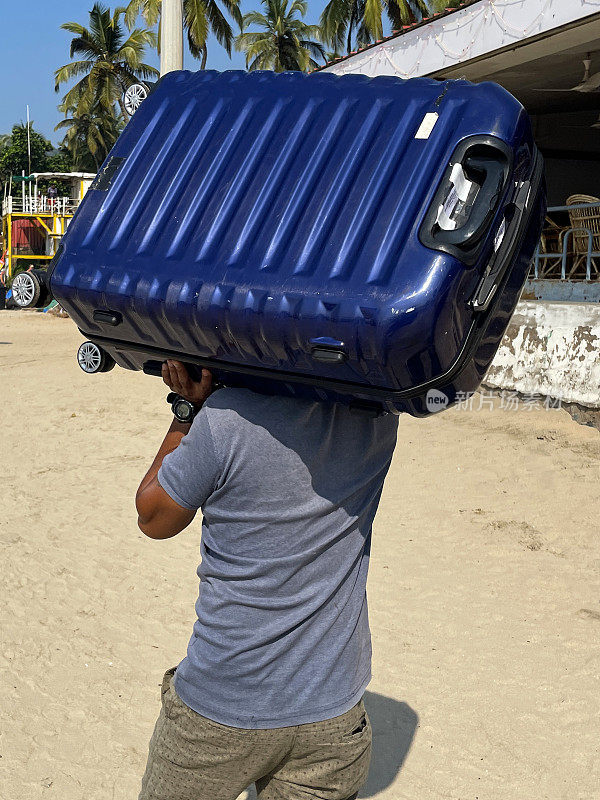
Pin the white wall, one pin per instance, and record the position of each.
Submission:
(551, 349)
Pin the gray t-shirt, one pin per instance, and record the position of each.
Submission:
(288, 490)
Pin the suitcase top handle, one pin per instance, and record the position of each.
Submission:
(485, 202)
(468, 198)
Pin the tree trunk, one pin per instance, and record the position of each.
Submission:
(120, 100)
(123, 109)
(350, 26)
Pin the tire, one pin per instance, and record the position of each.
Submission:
(46, 295)
(92, 358)
(27, 290)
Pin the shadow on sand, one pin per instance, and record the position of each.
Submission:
(394, 726)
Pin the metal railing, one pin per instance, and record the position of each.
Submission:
(39, 205)
(566, 235)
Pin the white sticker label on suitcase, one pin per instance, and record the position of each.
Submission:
(427, 125)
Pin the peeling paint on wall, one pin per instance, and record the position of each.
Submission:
(551, 349)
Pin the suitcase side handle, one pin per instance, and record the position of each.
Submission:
(107, 317)
(328, 350)
(329, 355)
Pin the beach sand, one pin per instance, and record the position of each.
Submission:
(484, 592)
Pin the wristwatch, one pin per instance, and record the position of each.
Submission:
(183, 409)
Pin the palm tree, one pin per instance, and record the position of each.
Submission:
(284, 43)
(89, 136)
(111, 62)
(200, 18)
(343, 20)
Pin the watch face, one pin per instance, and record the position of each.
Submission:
(183, 410)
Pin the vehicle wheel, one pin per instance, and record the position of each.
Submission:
(134, 97)
(92, 358)
(27, 290)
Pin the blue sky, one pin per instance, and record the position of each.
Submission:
(33, 46)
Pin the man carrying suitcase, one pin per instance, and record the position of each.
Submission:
(271, 689)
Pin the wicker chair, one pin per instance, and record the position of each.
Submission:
(582, 220)
(551, 245)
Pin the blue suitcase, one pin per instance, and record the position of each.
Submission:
(361, 240)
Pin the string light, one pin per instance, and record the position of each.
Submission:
(486, 12)
(509, 29)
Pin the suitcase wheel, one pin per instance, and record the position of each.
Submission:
(92, 358)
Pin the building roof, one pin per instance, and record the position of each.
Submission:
(63, 175)
(405, 29)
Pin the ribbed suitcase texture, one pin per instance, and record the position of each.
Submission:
(292, 232)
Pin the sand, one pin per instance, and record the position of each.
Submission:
(484, 592)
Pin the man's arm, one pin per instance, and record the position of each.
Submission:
(159, 516)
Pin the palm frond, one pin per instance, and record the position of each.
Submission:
(149, 9)
(139, 39)
(147, 71)
(233, 9)
(254, 18)
(334, 22)
(132, 11)
(83, 46)
(314, 48)
(76, 28)
(219, 25)
(403, 12)
(195, 20)
(371, 19)
(70, 71)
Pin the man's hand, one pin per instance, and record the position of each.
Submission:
(177, 378)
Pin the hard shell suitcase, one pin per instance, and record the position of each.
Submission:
(362, 240)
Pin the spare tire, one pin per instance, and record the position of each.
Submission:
(27, 290)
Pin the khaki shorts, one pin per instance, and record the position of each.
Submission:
(194, 758)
